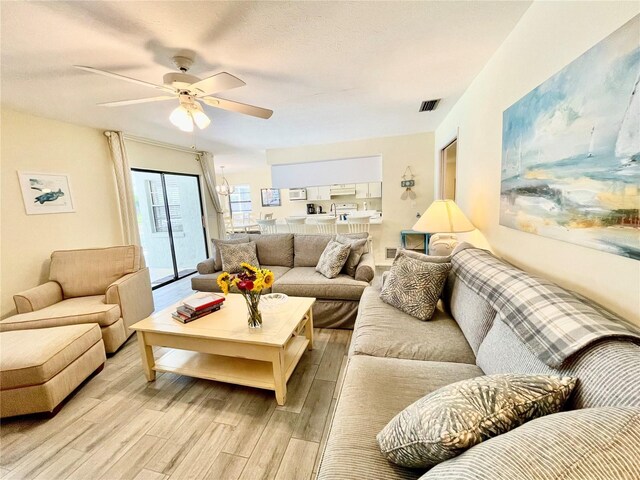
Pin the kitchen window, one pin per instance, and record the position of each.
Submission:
(158, 210)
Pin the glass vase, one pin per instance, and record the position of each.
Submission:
(254, 317)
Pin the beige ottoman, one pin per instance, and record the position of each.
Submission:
(39, 368)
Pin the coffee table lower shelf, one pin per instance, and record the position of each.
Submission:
(240, 371)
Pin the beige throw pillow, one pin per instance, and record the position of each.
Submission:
(414, 286)
(233, 255)
(240, 238)
(358, 248)
(333, 259)
(456, 417)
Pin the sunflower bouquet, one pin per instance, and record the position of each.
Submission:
(249, 283)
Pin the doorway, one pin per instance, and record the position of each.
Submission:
(171, 223)
(448, 169)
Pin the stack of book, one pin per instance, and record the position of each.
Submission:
(195, 308)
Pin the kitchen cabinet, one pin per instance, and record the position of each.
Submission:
(324, 192)
(369, 190)
(319, 193)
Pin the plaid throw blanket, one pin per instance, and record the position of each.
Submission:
(554, 323)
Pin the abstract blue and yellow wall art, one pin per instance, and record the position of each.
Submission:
(571, 151)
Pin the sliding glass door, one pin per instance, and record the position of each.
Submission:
(171, 223)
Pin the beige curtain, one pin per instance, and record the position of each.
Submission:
(209, 173)
(124, 185)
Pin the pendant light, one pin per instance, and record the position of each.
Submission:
(224, 188)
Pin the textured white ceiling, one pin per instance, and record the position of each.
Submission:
(331, 71)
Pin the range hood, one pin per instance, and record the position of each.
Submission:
(343, 189)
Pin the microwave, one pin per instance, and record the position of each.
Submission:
(297, 194)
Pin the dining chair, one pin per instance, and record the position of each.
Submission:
(296, 224)
(267, 226)
(327, 225)
(228, 226)
(268, 216)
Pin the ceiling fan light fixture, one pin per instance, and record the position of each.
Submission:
(199, 117)
(181, 118)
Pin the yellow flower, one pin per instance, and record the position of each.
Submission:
(249, 267)
(257, 285)
(268, 278)
(223, 282)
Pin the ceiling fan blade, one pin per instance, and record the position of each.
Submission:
(216, 83)
(122, 103)
(238, 107)
(126, 79)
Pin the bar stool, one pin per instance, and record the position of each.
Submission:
(267, 226)
(327, 225)
(296, 224)
(360, 225)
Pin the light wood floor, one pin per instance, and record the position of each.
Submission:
(118, 426)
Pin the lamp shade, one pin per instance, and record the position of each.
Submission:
(443, 216)
(199, 117)
(181, 118)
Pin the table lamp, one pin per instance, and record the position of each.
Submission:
(445, 218)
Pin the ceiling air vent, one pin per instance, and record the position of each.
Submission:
(429, 105)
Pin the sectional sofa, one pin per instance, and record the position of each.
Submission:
(395, 359)
(293, 258)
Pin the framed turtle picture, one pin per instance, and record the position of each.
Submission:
(45, 193)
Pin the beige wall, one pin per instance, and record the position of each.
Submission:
(397, 153)
(37, 144)
(549, 36)
(155, 157)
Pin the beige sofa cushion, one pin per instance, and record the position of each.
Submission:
(89, 272)
(306, 282)
(72, 311)
(382, 330)
(309, 248)
(374, 390)
(274, 249)
(32, 357)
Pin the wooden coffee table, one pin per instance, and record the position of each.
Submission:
(221, 346)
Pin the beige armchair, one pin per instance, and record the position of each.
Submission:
(107, 286)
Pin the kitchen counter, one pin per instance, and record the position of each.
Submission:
(311, 219)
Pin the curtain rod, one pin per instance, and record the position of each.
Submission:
(157, 143)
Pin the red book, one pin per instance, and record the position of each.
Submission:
(197, 304)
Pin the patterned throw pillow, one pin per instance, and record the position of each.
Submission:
(333, 259)
(414, 286)
(358, 248)
(450, 420)
(233, 255)
(236, 238)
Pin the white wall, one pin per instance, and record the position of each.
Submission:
(397, 153)
(37, 144)
(549, 36)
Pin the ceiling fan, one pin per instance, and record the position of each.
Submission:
(190, 91)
